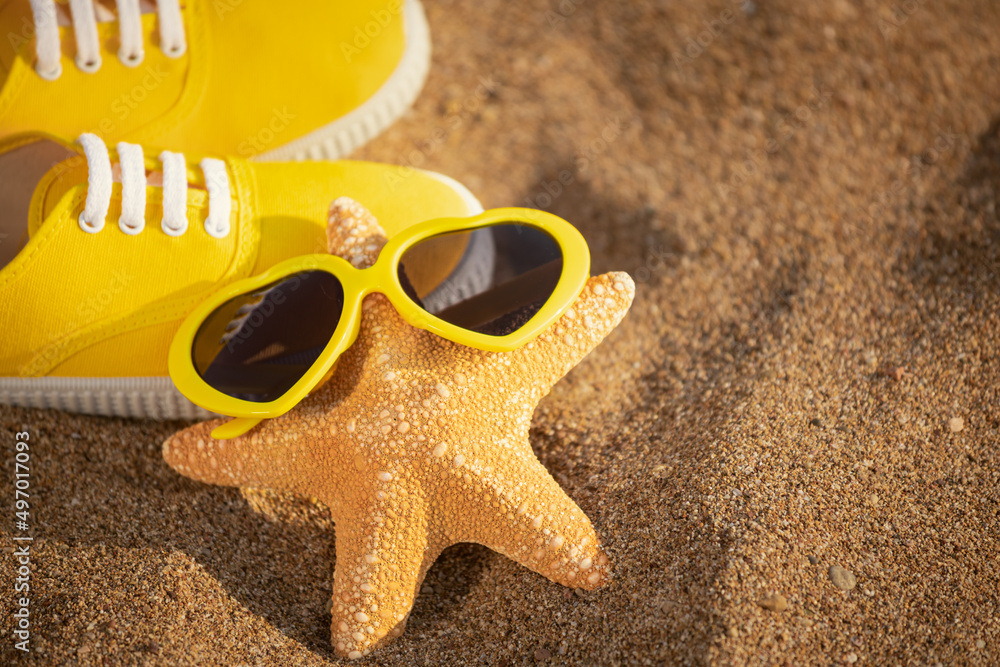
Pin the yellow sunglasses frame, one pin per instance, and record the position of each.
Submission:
(382, 277)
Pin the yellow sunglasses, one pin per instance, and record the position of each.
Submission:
(257, 347)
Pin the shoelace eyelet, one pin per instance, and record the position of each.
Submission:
(130, 230)
(89, 227)
(89, 66)
(172, 231)
(220, 233)
(131, 59)
(52, 74)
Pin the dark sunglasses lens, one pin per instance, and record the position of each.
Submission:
(256, 346)
(491, 280)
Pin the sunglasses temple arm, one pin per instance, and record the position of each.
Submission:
(234, 428)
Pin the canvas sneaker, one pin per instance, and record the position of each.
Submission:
(103, 253)
(251, 78)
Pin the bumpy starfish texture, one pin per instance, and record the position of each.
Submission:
(418, 443)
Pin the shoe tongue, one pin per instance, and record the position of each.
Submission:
(67, 175)
(17, 17)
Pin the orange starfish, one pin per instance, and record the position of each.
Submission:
(418, 444)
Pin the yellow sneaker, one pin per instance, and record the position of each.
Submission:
(103, 255)
(213, 77)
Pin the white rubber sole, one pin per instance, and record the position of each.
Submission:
(138, 397)
(147, 397)
(397, 94)
(473, 206)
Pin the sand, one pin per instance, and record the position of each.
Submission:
(807, 200)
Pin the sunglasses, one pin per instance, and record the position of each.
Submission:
(259, 346)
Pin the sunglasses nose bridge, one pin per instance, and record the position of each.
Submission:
(375, 279)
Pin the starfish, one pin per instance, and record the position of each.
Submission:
(418, 443)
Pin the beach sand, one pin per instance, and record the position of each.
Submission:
(807, 197)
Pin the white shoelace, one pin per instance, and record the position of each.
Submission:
(132, 165)
(88, 47)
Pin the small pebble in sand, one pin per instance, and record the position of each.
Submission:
(775, 602)
(851, 658)
(897, 373)
(542, 654)
(817, 422)
(956, 424)
(812, 560)
(842, 579)
(980, 644)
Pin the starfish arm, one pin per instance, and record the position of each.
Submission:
(264, 458)
(352, 233)
(602, 304)
(534, 522)
(383, 553)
